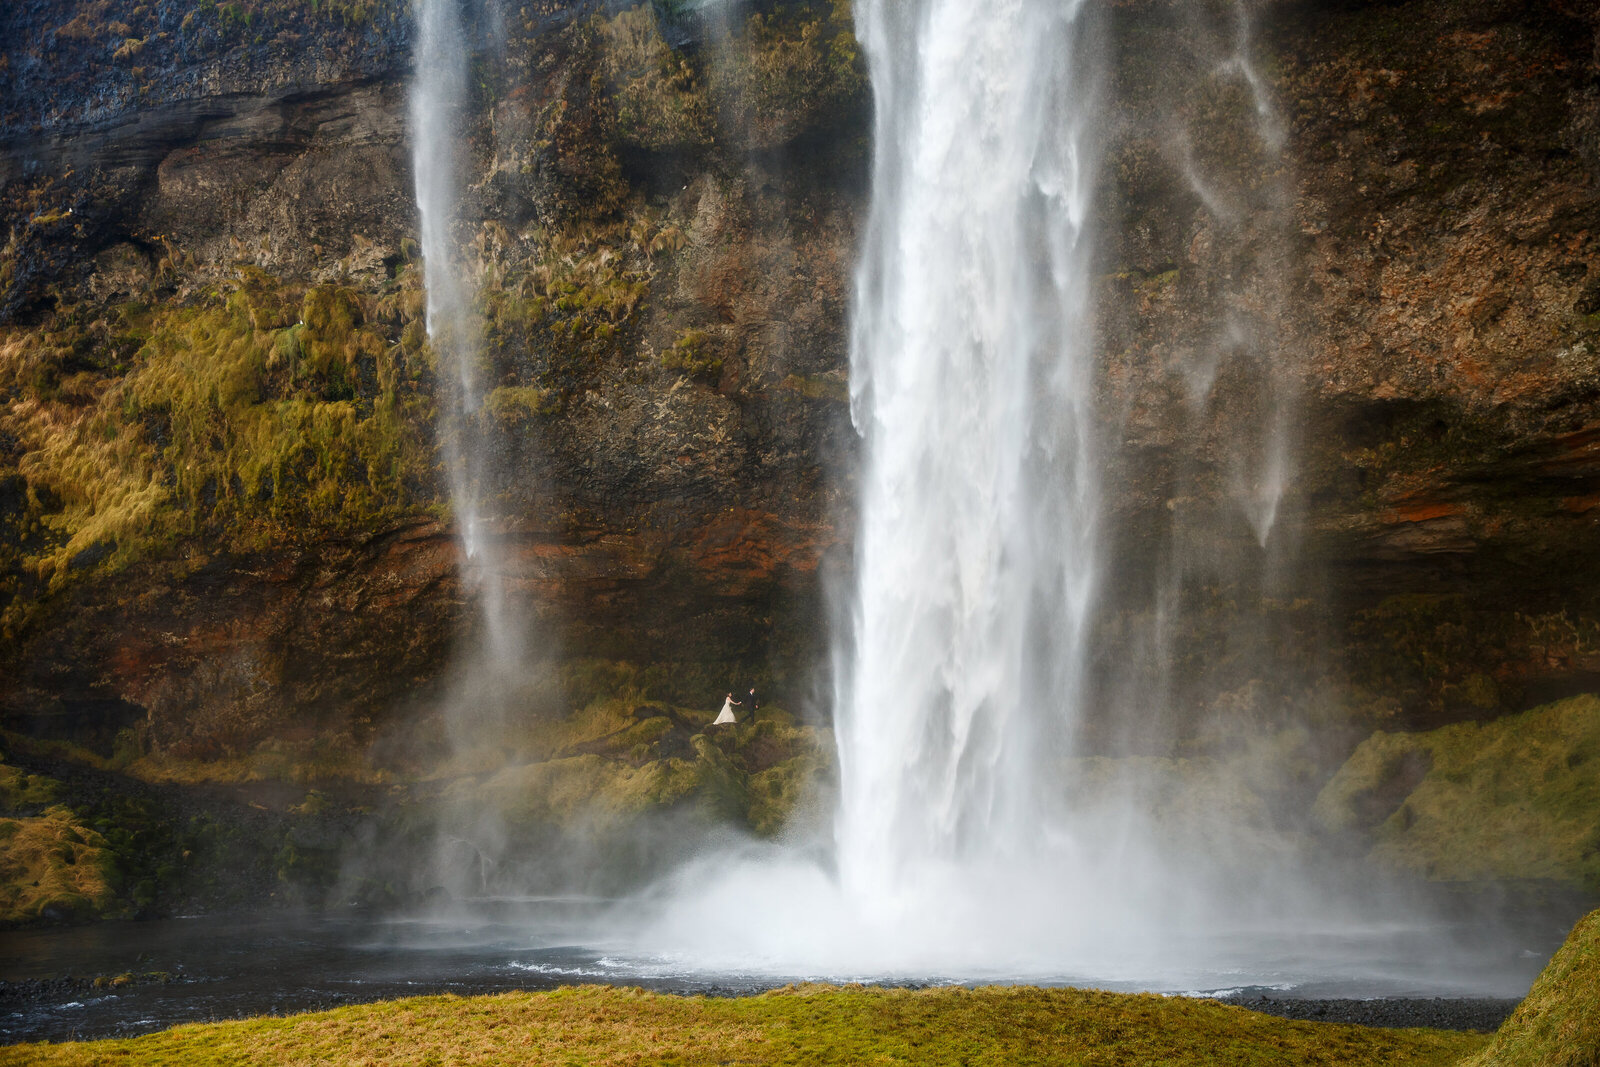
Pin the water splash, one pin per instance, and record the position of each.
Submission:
(971, 379)
(494, 672)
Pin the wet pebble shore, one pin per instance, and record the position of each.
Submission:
(1439, 1013)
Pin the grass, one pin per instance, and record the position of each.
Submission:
(1558, 1022)
(798, 1025)
(1517, 797)
(51, 864)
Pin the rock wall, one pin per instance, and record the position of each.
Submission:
(1356, 241)
(222, 491)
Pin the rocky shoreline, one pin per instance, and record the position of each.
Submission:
(1483, 1014)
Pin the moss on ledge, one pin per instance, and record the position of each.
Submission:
(1515, 798)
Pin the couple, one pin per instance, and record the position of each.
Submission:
(728, 706)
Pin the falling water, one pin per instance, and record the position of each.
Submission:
(971, 382)
(495, 665)
(960, 843)
(1204, 654)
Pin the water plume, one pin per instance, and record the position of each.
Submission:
(491, 681)
(975, 836)
(971, 374)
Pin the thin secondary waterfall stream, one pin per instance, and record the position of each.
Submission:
(491, 672)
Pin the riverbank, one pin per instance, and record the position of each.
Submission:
(798, 1024)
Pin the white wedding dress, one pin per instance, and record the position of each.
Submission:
(727, 713)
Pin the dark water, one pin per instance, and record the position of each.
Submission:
(225, 967)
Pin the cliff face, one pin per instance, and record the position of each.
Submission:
(1349, 328)
(1354, 260)
(220, 416)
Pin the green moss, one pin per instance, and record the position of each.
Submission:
(513, 405)
(584, 790)
(691, 354)
(989, 1025)
(252, 414)
(1558, 1022)
(620, 755)
(773, 796)
(20, 791)
(51, 866)
(819, 387)
(1516, 798)
(656, 92)
(77, 850)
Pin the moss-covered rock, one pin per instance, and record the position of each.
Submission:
(1558, 1022)
(1515, 798)
(620, 758)
(53, 868)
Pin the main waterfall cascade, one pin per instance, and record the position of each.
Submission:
(972, 837)
(975, 833)
(971, 387)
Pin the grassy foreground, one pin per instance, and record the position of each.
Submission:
(798, 1025)
(1558, 1022)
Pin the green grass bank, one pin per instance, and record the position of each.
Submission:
(797, 1025)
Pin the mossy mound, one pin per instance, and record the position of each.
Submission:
(1558, 1022)
(51, 867)
(620, 758)
(1515, 798)
(806, 1024)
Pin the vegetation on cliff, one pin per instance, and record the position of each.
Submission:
(244, 415)
(157, 829)
(82, 843)
(1515, 798)
(796, 1025)
(623, 756)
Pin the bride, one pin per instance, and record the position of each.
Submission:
(727, 712)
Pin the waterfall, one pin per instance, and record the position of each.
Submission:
(980, 829)
(971, 387)
(495, 665)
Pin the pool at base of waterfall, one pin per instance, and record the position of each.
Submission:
(123, 979)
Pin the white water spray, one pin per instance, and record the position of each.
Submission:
(971, 381)
(494, 669)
